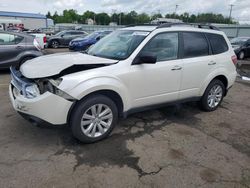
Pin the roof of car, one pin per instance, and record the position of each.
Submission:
(182, 27)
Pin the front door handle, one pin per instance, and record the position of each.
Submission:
(211, 63)
(176, 68)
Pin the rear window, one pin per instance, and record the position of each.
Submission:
(218, 43)
(195, 45)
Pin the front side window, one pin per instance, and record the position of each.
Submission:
(195, 45)
(218, 43)
(164, 46)
(118, 45)
(7, 39)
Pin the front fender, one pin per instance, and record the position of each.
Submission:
(91, 85)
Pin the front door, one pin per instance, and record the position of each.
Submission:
(157, 83)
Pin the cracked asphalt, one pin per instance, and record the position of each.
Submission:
(168, 147)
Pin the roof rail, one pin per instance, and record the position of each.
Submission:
(145, 24)
(204, 26)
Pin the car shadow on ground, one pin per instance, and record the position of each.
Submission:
(114, 150)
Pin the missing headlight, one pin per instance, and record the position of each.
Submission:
(51, 85)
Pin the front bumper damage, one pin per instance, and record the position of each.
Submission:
(47, 106)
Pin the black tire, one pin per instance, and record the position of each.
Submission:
(81, 108)
(241, 55)
(54, 44)
(204, 104)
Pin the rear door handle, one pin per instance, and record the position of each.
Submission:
(211, 63)
(176, 68)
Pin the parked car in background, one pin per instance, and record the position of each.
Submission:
(83, 43)
(130, 70)
(40, 37)
(16, 48)
(64, 37)
(241, 46)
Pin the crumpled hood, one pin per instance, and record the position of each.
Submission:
(50, 65)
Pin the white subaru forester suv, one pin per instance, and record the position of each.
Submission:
(131, 69)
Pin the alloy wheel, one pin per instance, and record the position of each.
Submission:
(96, 120)
(215, 96)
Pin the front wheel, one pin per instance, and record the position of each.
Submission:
(94, 118)
(213, 96)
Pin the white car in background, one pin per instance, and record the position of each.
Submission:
(130, 70)
(40, 38)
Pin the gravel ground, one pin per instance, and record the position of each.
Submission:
(168, 147)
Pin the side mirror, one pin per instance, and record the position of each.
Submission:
(145, 58)
(62, 35)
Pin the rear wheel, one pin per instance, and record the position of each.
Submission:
(241, 55)
(213, 95)
(54, 44)
(94, 118)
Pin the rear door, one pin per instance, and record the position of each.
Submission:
(197, 63)
(10, 47)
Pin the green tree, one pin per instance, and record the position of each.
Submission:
(88, 15)
(102, 19)
(48, 15)
(155, 16)
(143, 18)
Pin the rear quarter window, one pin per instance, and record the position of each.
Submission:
(218, 43)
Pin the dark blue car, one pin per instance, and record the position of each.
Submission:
(83, 43)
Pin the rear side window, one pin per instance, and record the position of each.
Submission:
(18, 39)
(195, 45)
(218, 43)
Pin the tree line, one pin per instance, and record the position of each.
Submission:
(71, 16)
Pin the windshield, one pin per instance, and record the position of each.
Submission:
(118, 45)
(92, 35)
(239, 41)
(60, 33)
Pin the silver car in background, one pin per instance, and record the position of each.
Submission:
(16, 48)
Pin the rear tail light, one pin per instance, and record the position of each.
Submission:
(37, 45)
(44, 39)
(234, 59)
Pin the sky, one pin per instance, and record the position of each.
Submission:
(241, 8)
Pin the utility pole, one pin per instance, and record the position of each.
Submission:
(176, 7)
(230, 14)
(120, 20)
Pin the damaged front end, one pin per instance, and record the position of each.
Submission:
(32, 88)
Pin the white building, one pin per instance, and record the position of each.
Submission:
(29, 20)
(90, 21)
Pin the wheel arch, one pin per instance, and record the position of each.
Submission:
(50, 42)
(220, 77)
(113, 95)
